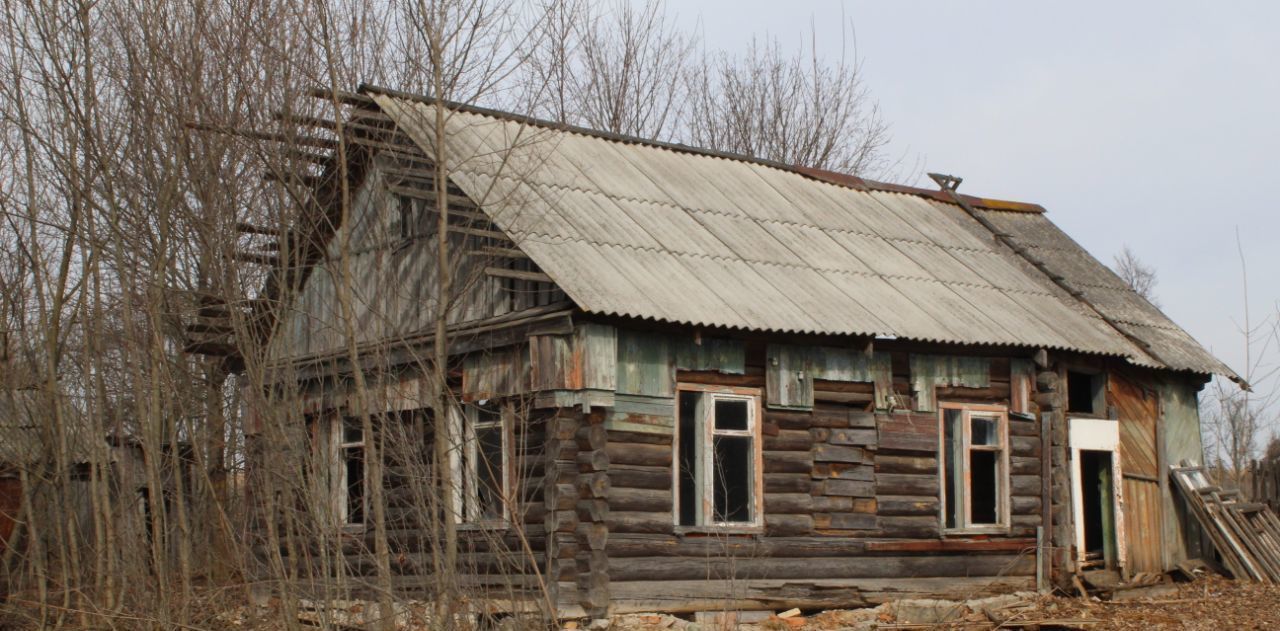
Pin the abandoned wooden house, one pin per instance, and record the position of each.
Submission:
(693, 380)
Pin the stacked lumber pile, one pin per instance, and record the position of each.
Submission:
(1246, 534)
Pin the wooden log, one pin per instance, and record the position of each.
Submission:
(595, 510)
(641, 477)
(1028, 485)
(788, 440)
(563, 496)
(846, 521)
(1024, 505)
(839, 453)
(786, 483)
(906, 484)
(949, 545)
(626, 546)
(621, 436)
(847, 488)
(995, 392)
(592, 436)
(594, 485)
(907, 432)
(634, 522)
(788, 462)
(1024, 465)
(1028, 446)
(1019, 427)
(788, 503)
(906, 506)
(896, 463)
(844, 471)
(858, 437)
(850, 398)
(787, 525)
(593, 460)
(789, 420)
(911, 527)
(639, 454)
(641, 500)
(561, 521)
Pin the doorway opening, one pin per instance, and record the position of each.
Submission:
(1097, 494)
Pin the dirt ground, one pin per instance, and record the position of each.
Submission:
(1209, 603)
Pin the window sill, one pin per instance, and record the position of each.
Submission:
(976, 530)
(744, 529)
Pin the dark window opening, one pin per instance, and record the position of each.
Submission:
(407, 217)
(353, 460)
(716, 458)
(731, 414)
(953, 473)
(732, 478)
(482, 467)
(1098, 504)
(1083, 390)
(489, 474)
(983, 488)
(688, 458)
(973, 468)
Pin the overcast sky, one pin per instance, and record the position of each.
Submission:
(1149, 124)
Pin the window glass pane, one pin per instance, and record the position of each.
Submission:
(732, 478)
(688, 458)
(983, 430)
(731, 414)
(952, 459)
(489, 472)
(983, 490)
(351, 431)
(353, 459)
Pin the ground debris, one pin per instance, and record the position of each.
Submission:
(1210, 603)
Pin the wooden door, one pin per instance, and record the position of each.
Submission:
(1138, 410)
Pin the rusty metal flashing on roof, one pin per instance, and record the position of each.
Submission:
(863, 184)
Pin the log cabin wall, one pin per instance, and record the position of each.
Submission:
(851, 493)
(503, 561)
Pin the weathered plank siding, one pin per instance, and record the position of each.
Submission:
(849, 493)
(1137, 410)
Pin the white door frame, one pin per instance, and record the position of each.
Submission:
(1088, 434)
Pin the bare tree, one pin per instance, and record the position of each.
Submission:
(1139, 276)
(791, 108)
(630, 69)
(1234, 418)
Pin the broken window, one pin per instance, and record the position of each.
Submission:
(1085, 393)
(975, 490)
(340, 475)
(718, 457)
(482, 465)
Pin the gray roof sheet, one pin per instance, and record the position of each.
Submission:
(644, 230)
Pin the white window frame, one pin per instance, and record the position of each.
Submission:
(336, 449)
(964, 523)
(705, 475)
(463, 464)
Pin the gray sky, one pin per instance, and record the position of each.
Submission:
(1151, 124)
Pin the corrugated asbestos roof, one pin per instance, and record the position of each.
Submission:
(645, 230)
